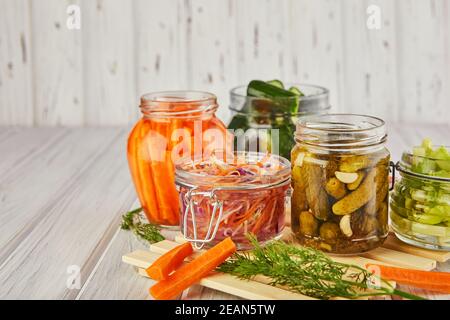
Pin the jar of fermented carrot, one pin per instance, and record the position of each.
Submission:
(175, 124)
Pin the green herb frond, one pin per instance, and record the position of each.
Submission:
(134, 221)
(305, 270)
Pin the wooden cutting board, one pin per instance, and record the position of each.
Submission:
(258, 288)
(393, 252)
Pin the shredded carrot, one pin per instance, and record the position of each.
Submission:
(429, 280)
(194, 271)
(169, 262)
(265, 215)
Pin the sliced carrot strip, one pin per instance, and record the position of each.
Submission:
(172, 193)
(132, 152)
(161, 166)
(148, 187)
(194, 271)
(169, 262)
(430, 280)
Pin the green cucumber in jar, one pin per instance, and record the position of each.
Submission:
(276, 83)
(258, 88)
(296, 91)
(284, 100)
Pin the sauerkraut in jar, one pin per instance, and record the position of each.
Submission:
(243, 193)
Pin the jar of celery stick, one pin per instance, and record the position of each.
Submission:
(420, 202)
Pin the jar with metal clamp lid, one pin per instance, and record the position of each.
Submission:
(232, 196)
(420, 203)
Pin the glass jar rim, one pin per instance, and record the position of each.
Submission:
(404, 166)
(178, 103)
(322, 91)
(341, 130)
(316, 101)
(303, 122)
(280, 177)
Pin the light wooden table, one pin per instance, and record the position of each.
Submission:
(62, 193)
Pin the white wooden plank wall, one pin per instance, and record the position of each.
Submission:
(52, 76)
(16, 95)
(57, 65)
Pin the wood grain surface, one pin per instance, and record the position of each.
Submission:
(50, 75)
(62, 193)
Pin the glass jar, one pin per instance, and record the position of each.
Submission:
(256, 117)
(239, 194)
(175, 124)
(340, 169)
(420, 204)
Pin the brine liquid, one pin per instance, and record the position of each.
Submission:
(343, 217)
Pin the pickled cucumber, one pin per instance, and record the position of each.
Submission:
(354, 163)
(352, 186)
(335, 188)
(359, 197)
(375, 203)
(382, 216)
(330, 232)
(316, 195)
(309, 225)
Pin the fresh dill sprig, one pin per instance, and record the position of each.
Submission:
(132, 220)
(307, 271)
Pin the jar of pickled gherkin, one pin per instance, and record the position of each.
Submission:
(340, 170)
(258, 108)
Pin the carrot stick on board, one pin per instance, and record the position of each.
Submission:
(429, 280)
(168, 262)
(194, 271)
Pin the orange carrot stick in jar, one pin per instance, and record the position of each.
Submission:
(161, 168)
(148, 187)
(181, 144)
(133, 161)
(172, 193)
